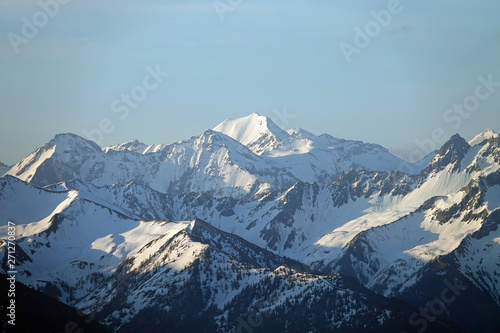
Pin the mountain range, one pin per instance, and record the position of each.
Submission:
(248, 227)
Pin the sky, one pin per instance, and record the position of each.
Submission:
(406, 75)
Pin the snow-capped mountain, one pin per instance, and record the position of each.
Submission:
(207, 163)
(124, 271)
(260, 134)
(307, 156)
(212, 162)
(312, 233)
(135, 146)
(486, 135)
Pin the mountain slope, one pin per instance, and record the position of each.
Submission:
(123, 271)
(311, 233)
(38, 312)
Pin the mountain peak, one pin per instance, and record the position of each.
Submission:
(451, 153)
(259, 133)
(256, 114)
(486, 135)
(69, 141)
(455, 141)
(133, 145)
(301, 133)
(453, 150)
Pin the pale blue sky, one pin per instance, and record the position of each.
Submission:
(265, 56)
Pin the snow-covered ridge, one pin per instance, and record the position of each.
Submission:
(486, 135)
(301, 133)
(100, 235)
(88, 255)
(263, 158)
(135, 146)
